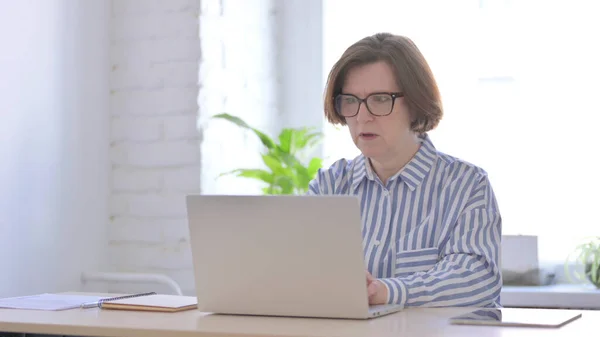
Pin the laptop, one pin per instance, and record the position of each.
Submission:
(293, 256)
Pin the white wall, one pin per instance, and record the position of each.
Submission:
(155, 151)
(300, 64)
(53, 143)
(300, 59)
(239, 76)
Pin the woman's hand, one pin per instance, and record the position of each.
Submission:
(376, 289)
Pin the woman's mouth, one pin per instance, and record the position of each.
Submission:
(367, 135)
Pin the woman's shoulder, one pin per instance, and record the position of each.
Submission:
(466, 178)
(337, 177)
(458, 167)
(343, 166)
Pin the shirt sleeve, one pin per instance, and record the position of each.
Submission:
(314, 187)
(327, 180)
(467, 273)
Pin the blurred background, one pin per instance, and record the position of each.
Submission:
(106, 116)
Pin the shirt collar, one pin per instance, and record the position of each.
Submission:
(412, 174)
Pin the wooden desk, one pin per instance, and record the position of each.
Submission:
(412, 322)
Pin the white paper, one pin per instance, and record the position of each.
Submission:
(51, 302)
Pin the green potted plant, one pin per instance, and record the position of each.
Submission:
(287, 170)
(587, 255)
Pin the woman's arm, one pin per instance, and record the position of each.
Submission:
(467, 273)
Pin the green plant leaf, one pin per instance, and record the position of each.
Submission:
(285, 140)
(586, 254)
(266, 140)
(286, 183)
(273, 163)
(258, 174)
(303, 178)
(305, 138)
(594, 267)
(286, 158)
(314, 165)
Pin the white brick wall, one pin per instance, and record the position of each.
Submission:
(155, 151)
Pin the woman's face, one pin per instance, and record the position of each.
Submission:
(377, 137)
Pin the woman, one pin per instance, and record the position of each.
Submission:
(431, 224)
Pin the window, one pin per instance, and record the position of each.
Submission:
(519, 81)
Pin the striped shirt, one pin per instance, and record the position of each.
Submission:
(431, 234)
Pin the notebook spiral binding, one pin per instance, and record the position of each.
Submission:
(123, 297)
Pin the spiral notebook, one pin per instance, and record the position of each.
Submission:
(149, 302)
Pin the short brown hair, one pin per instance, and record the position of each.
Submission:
(412, 72)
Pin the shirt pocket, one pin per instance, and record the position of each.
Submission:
(412, 261)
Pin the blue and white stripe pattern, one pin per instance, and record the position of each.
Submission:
(431, 234)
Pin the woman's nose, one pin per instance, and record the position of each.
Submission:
(363, 114)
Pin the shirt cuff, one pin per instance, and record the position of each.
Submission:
(396, 289)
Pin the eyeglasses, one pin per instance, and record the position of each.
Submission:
(378, 104)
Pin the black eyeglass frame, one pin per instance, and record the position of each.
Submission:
(394, 95)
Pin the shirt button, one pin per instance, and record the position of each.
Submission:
(386, 193)
(377, 242)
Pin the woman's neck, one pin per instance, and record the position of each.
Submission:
(385, 168)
